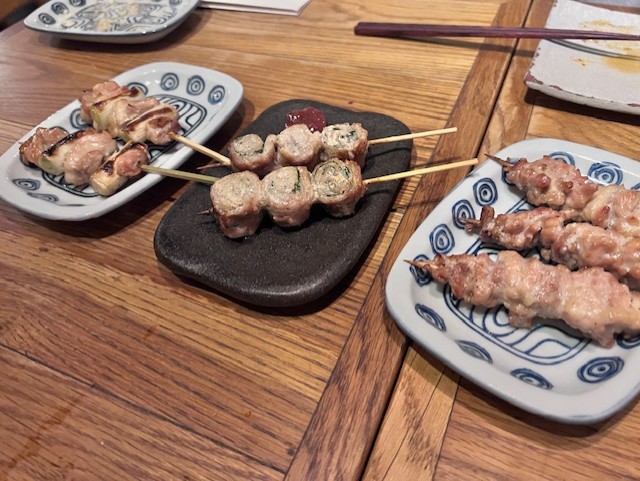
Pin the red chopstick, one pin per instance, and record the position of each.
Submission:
(419, 30)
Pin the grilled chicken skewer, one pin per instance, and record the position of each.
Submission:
(127, 114)
(590, 300)
(554, 183)
(577, 244)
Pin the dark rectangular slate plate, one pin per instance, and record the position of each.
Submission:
(280, 267)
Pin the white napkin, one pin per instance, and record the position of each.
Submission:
(282, 7)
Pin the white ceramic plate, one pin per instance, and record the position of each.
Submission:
(112, 21)
(204, 98)
(588, 78)
(546, 370)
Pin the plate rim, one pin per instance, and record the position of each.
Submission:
(556, 406)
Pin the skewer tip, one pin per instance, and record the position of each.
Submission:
(503, 162)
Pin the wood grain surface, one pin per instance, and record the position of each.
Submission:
(440, 426)
(115, 368)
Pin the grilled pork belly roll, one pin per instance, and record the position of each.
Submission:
(85, 155)
(237, 203)
(289, 195)
(250, 152)
(31, 149)
(99, 93)
(338, 186)
(297, 145)
(119, 168)
(345, 142)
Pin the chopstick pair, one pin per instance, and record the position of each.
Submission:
(418, 30)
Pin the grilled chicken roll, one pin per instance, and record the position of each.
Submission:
(289, 195)
(345, 142)
(250, 152)
(119, 168)
(237, 203)
(338, 186)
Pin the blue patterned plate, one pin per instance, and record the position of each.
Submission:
(548, 370)
(111, 21)
(204, 98)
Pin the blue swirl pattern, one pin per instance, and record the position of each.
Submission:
(421, 276)
(532, 378)
(462, 210)
(606, 172)
(431, 316)
(600, 369)
(441, 239)
(485, 191)
(475, 350)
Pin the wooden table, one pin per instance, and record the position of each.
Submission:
(115, 368)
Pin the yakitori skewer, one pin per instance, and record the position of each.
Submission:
(241, 199)
(552, 182)
(590, 299)
(250, 152)
(210, 179)
(575, 244)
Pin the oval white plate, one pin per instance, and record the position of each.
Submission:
(547, 370)
(204, 98)
(111, 21)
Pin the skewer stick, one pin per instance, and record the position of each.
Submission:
(415, 135)
(202, 149)
(425, 170)
(384, 140)
(179, 174)
(504, 163)
(209, 179)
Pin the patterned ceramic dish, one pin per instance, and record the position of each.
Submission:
(111, 21)
(204, 99)
(589, 72)
(548, 370)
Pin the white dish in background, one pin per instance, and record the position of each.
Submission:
(204, 99)
(111, 21)
(593, 79)
(546, 370)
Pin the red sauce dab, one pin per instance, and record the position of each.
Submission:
(314, 119)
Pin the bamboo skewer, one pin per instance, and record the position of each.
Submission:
(222, 160)
(209, 179)
(422, 171)
(179, 174)
(202, 149)
(415, 135)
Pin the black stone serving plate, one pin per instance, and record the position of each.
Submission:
(280, 267)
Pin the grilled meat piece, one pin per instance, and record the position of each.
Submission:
(590, 300)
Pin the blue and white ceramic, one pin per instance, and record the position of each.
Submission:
(112, 21)
(549, 370)
(204, 99)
